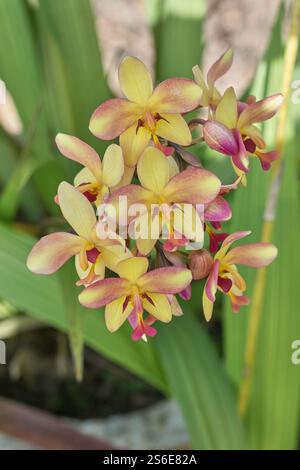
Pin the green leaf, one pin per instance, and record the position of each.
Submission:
(178, 40)
(199, 383)
(41, 297)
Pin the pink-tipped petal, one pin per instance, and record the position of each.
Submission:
(220, 138)
(240, 158)
(260, 110)
(194, 186)
(77, 150)
(175, 95)
(267, 158)
(212, 282)
(233, 237)
(218, 210)
(113, 117)
(165, 280)
(52, 251)
(220, 67)
(256, 255)
(104, 292)
(238, 301)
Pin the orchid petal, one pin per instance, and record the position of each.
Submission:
(84, 176)
(113, 165)
(112, 255)
(76, 209)
(207, 306)
(229, 240)
(219, 138)
(174, 128)
(212, 282)
(133, 142)
(260, 110)
(113, 117)
(256, 255)
(218, 210)
(254, 134)
(77, 150)
(220, 67)
(135, 80)
(226, 111)
(115, 316)
(133, 268)
(104, 292)
(52, 251)
(240, 159)
(161, 308)
(175, 95)
(194, 186)
(187, 223)
(153, 170)
(169, 280)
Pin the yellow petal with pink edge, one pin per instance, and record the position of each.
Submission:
(113, 165)
(174, 128)
(159, 306)
(220, 67)
(169, 280)
(175, 95)
(77, 150)
(113, 117)
(133, 142)
(207, 306)
(133, 268)
(77, 210)
(114, 314)
(153, 170)
(193, 185)
(228, 242)
(256, 255)
(260, 110)
(135, 80)
(226, 111)
(52, 251)
(104, 292)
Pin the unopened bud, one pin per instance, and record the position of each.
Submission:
(200, 263)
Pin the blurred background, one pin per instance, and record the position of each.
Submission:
(58, 61)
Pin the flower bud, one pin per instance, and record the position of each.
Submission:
(200, 263)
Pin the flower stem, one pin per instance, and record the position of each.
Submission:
(270, 210)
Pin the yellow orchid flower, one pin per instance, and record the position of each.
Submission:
(97, 177)
(146, 113)
(133, 292)
(164, 197)
(231, 130)
(224, 275)
(92, 254)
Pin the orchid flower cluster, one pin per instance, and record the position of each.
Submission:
(137, 278)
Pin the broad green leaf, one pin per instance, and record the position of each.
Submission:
(71, 26)
(199, 383)
(41, 297)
